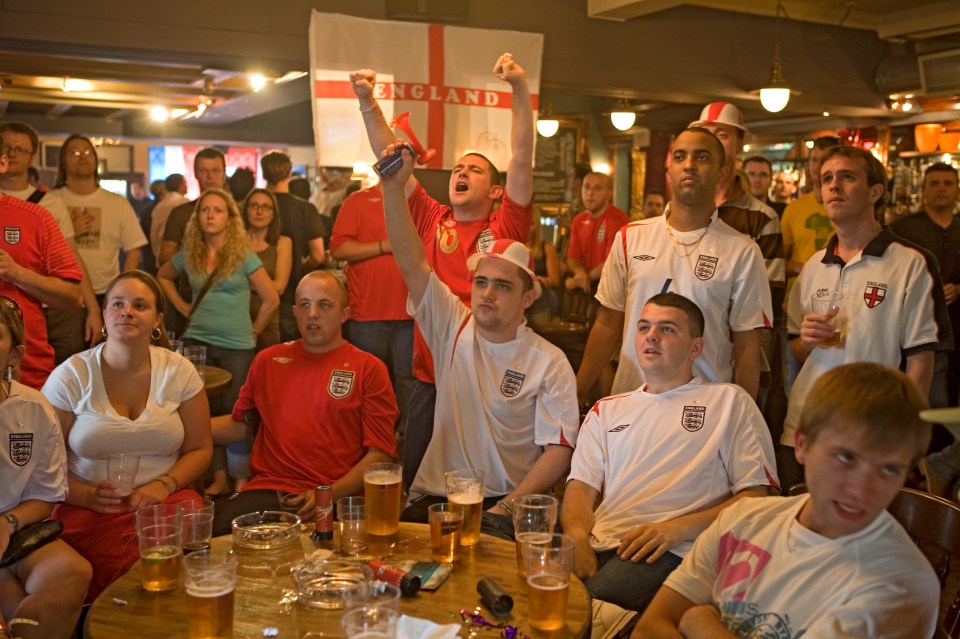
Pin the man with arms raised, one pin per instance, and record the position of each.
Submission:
(892, 306)
(470, 225)
(827, 564)
(666, 458)
(323, 407)
(691, 252)
(506, 400)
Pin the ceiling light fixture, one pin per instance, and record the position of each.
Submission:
(775, 95)
(257, 82)
(74, 84)
(623, 115)
(547, 125)
(159, 114)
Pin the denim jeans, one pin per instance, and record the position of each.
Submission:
(423, 401)
(390, 341)
(627, 584)
(237, 362)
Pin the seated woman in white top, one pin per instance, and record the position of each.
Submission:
(48, 585)
(127, 395)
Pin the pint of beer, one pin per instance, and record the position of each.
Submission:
(465, 490)
(210, 581)
(382, 490)
(548, 579)
(827, 302)
(534, 518)
(445, 524)
(160, 534)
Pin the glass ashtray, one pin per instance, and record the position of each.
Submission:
(325, 584)
(266, 530)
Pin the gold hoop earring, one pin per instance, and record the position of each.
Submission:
(156, 334)
(103, 332)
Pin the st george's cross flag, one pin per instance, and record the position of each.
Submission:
(441, 74)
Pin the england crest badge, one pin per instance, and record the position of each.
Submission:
(21, 448)
(512, 383)
(706, 267)
(341, 383)
(693, 417)
(11, 234)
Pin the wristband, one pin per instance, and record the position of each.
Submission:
(507, 507)
(374, 107)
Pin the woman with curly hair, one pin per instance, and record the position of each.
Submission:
(221, 268)
(262, 221)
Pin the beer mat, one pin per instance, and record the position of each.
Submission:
(431, 574)
(415, 628)
(949, 417)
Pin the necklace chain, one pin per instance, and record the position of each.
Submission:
(677, 243)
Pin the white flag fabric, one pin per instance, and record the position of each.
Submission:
(441, 74)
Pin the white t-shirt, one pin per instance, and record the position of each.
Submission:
(156, 435)
(656, 457)
(104, 225)
(33, 463)
(724, 276)
(53, 203)
(498, 405)
(890, 305)
(771, 577)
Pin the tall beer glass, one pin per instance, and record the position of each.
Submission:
(382, 488)
(445, 524)
(548, 580)
(465, 489)
(534, 518)
(210, 581)
(160, 533)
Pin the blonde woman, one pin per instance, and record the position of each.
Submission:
(221, 268)
(274, 250)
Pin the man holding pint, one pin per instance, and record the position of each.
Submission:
(320, 410)
(506, 398)
(666, 458)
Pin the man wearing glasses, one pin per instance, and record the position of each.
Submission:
(66, 336)
(36, 268)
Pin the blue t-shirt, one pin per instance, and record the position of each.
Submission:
(223, 317)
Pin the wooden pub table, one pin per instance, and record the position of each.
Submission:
(215, 380)
(263, 580)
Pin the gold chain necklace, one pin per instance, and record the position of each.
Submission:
(693, 245)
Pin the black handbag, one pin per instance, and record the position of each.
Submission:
(29, 538)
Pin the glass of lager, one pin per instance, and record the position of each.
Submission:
(197, 524)
(209, 580)
(160, 533)
(827, 302)
(122, 470)
(548, 581)
(382, 488)
(353, 525)
(446, 521)
(534, 518)
(370, 622)
(465, 490)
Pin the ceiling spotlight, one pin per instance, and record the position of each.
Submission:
(74, 84)
(159, 114)
(257, 82)
(623, 115)
(826, 114)
(907, 106)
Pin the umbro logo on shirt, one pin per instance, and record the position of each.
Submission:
(617, 429)
(282, 360)
(643, 258)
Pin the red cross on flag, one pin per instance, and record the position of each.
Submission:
(442, 74)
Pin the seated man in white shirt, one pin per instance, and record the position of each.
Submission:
(506, 398)
(666, 458)
(830, 563)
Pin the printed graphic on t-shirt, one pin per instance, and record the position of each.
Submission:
(822, 226)
(21, 448)
(341, 383)
(86, 226)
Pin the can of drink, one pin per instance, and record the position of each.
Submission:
(323, 524)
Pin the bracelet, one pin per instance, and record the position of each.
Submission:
(506, 506)
(176, 482)
(166, 484)
(374, 107)
(380, 246)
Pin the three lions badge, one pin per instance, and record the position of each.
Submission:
(21, 448)
(693, 417)
(512, 383)
(341, 383)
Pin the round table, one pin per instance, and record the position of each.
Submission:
(215, 380)
(263, 577)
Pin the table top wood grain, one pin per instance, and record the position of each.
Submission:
(263, 577)
(215, 380)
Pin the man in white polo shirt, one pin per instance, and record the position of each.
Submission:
(691, 252)
(893, 304)
(506, 398)
(666, 459)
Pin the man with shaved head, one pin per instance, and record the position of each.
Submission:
(592, 232)
(319, 410)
